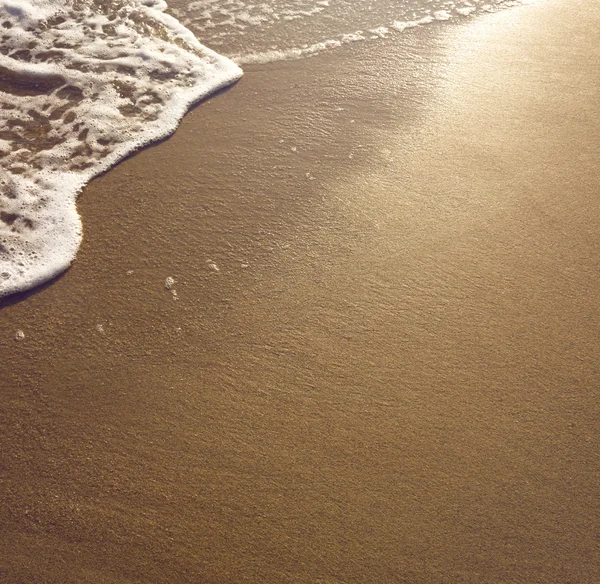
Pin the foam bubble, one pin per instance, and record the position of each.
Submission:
(81, 87)
(83, 83)
(371, 22)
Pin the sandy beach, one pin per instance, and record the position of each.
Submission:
(378, 361)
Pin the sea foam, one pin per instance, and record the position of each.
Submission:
(251, 32)
(83, 83)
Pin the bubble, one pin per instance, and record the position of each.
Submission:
(77, 96)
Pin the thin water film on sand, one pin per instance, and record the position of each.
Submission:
(83, 83)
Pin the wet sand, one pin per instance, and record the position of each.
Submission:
(382, 362)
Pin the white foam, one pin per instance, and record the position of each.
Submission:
(273, 55)
(423, 12)
(82, 86)
(80, 89)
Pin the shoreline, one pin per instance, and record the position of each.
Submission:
(380, 361)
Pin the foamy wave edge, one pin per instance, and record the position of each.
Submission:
(62, 237)
(384, 31)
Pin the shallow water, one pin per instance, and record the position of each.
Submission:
(267, 31)
(82, 85)
(85, 83)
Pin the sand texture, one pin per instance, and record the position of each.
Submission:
(378, 360)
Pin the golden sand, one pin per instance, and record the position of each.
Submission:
(378, 360)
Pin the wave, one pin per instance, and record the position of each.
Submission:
(250, 32)
(82, 85)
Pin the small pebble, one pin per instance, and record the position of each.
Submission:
(19, 335)
(169, 283)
